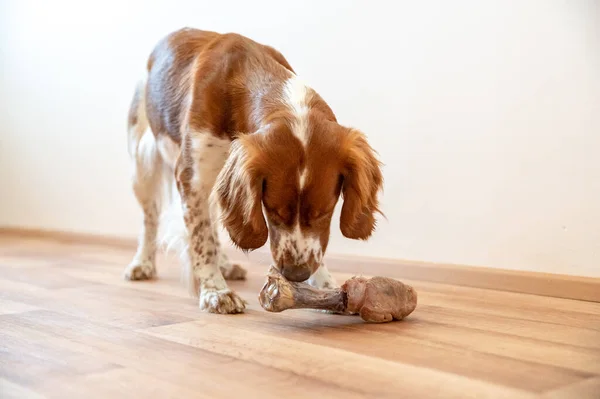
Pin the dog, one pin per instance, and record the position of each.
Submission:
(223, 129)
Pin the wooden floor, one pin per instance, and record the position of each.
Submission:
(70, 327)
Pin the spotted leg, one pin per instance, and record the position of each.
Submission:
(202, 157)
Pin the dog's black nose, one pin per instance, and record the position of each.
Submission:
(296, 273)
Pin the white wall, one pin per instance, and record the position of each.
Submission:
(486, 114)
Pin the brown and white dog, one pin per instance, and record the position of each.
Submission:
(224, 120)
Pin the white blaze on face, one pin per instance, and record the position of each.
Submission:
(300, 246)
(303, 179)
(296, 97)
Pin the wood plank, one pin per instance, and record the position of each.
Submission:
(546, 284)
(549, 332)
(561, 325)
(516, 311)
(368, 375)
(118, 383)
(403, 341)
(188, 368)
(42, 276)
(29, 357)
(484, 322)
(586, 389)
(115, 311)
(10, 390)
(7, 307)
(70, 326)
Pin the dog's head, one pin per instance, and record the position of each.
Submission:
(275, 186)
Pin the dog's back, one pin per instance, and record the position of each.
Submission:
(209, 61)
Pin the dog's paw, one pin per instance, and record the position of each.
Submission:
(144, 270)
(323, 281)
(223, 301)
(233, 271)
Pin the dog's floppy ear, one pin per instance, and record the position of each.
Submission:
(362, 181)
(238, 192)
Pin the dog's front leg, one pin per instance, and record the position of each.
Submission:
(202, 157)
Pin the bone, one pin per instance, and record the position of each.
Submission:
(376, 300)
(279, 294)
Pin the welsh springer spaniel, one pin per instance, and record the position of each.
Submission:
(221, 119)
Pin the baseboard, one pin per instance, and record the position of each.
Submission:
(546, 284)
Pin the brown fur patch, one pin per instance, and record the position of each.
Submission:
(223, 74)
